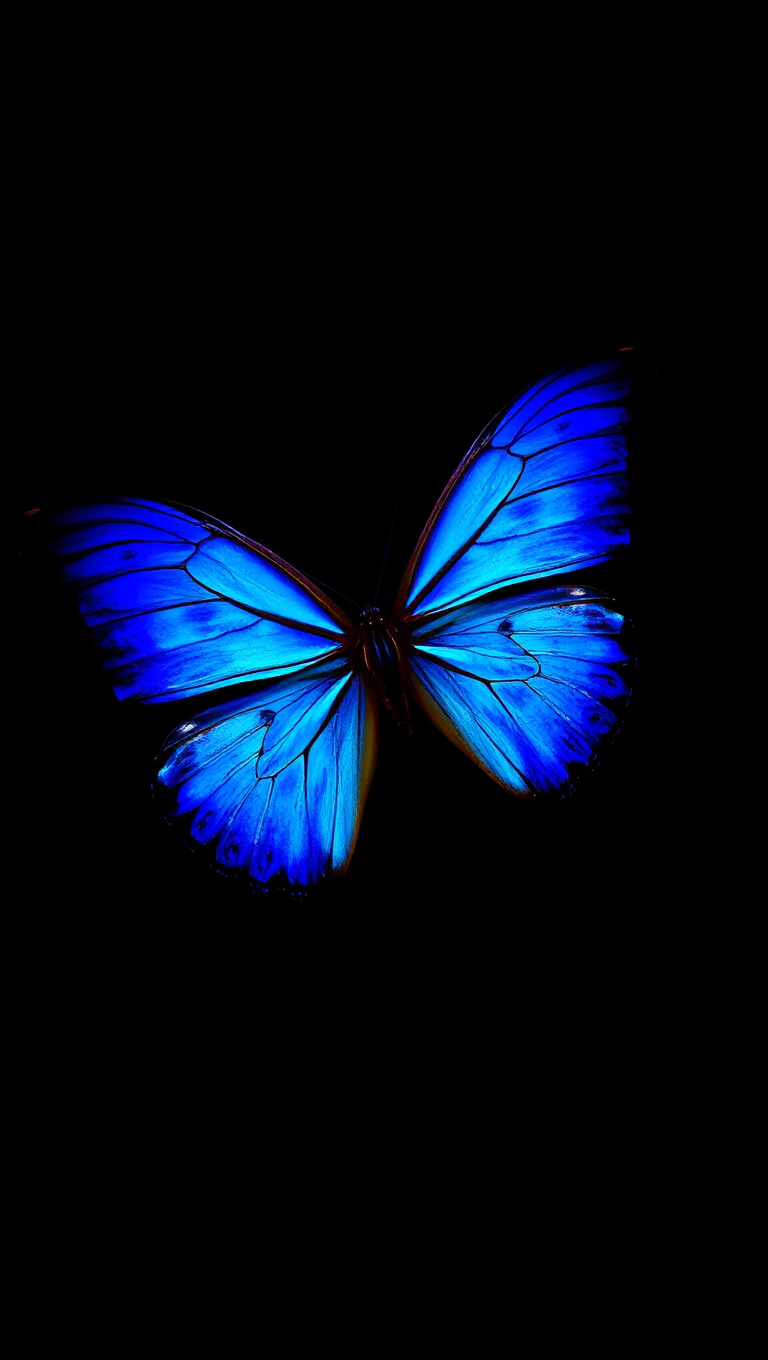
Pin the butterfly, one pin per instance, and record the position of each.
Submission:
(526, 673)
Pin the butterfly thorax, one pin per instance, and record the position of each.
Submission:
(379, 648)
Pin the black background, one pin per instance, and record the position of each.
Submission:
(295, 324)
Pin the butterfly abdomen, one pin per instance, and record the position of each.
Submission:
(380, 651)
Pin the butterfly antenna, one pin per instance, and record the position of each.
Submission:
(386, 552)
(332, 589)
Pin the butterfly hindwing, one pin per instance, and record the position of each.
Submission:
(527, 685)
(274, 784)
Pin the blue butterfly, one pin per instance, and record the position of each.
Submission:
(528, 682)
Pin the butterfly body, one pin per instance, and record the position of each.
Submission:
(381, 651)
(527, 675)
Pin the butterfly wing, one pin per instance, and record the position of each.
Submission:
(530, 684)
(542, 491)
(181, 604)
(272, 782)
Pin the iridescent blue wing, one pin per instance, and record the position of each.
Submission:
(272, 785)
(541, 492)
(272, 782)
(181, 604)
(528, 685)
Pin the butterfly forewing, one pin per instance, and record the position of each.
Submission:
(182, 605)
(542, 492)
